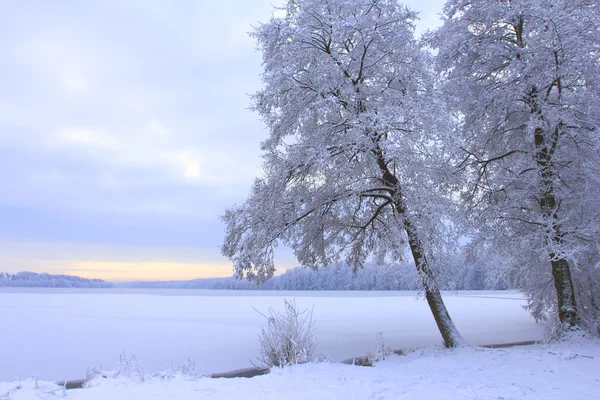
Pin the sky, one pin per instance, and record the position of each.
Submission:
(125, 133)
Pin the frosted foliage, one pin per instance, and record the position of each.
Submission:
(523, 78)
(289, 337)
(130, 367)
(347, 99)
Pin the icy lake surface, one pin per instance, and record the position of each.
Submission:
(58, 333)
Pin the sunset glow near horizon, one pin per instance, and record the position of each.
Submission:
(125, 133)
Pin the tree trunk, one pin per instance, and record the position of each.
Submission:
(561, 272)
(451, 336)
(567, 308)
(432, 292)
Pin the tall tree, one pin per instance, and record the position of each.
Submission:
(524, 79)
(354, 157)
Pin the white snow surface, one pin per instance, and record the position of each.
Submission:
(566, 370)
(58, 334)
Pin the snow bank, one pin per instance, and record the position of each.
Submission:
(560, 371)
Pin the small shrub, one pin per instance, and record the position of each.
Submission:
(289, 337)
(380, 353)
(130, 367)
(187, 371)
(93, 373)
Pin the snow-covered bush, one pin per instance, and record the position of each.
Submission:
(380, 353)
(289, 337)
(129, 367)
(187, 371)
(94, 372)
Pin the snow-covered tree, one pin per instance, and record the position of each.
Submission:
(524, 79)
(354, 161)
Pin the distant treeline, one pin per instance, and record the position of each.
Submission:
(333, 277)
(341, 277)
(32, 279)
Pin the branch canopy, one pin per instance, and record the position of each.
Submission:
(356, 140)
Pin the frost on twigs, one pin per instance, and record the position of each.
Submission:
(356, 161)
(557, 332)
(523, 76)
(289, 337)
(187, 371)
(380, 353)
(130, 367)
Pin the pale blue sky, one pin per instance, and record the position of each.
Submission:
(124, 133)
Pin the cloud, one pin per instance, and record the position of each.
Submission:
(127, 122)
(74, 82)
(159, 111)
(153, 148)
(88, 138)
(156, 128)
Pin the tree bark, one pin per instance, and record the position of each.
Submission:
(561, 271)
(450, 334)
(567, 308)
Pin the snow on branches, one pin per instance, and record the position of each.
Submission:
(355, 161)
(523, 78)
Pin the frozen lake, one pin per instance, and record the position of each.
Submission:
(58, 333)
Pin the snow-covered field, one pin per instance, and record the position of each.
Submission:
(556, 372)
(57, 334)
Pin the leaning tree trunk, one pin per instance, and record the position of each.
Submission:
(561, 271)
(450, 334)
(432, 292)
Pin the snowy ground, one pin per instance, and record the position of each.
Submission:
(58, 334)
(566, 370)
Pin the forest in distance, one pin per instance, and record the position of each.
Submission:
(333, 277)
(33, 279)
(340, 277)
